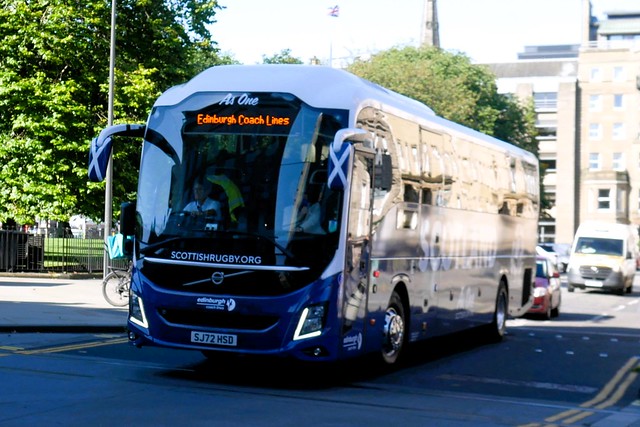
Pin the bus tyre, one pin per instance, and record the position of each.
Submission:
(498, 326)
(394, 330)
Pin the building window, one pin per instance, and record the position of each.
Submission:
(547, 129)
(545, 100)
(618, 101)
(595, 103)
(618, 37)
(595, 131)
(604, 199)
(547, 165)
(595, 75)
(618, 162)
(594, 161)
(618, 74)
(618, 131)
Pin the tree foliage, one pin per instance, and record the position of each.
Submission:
(282, 57)
(454, 88)
(54, 68)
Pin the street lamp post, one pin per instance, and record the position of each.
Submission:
(108, 194)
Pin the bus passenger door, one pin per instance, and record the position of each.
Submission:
(356, 283)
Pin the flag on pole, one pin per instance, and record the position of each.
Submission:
(334, 11)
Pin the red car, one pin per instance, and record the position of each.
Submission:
(546, 294)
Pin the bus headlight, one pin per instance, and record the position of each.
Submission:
(311, 322)
(136, 311)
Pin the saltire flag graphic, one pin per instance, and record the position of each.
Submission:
(334, 11)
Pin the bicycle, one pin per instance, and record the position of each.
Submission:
(116, 285)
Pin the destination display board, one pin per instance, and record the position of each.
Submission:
(260, 113)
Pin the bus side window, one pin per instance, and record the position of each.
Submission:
(408, 214)
(427, 196)
(411, 195)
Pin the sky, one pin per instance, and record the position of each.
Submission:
(485, 30)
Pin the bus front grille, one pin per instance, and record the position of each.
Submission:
(224, 320)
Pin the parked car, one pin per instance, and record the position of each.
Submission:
(547, 295)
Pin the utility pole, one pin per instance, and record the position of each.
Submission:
(430, 36)
(108, 192)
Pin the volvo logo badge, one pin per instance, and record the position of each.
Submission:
(594, 269)
(217, 278)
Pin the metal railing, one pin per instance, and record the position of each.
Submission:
(26, 252)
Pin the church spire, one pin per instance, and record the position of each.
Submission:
(430, 25)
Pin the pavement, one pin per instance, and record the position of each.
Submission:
(57, 303)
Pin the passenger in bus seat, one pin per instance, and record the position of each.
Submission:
(203, 205)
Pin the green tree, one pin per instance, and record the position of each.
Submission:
(457, 90)
(454, 88)
(54, 67)
(282, 57)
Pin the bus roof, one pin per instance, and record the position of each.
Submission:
(323, 87)
(316, 85)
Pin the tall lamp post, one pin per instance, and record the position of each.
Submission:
(108, 192)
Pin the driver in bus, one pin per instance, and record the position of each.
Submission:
(202, 205)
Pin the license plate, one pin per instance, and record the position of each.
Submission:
(216, 339)
(593, 283)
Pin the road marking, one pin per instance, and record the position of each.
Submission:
(606, 390)
(9, 350)
(577, 417)
(610, 394)
(71, 347)
(562, 415)
(533, 384)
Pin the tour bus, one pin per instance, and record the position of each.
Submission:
(340, 218)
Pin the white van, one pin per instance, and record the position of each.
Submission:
(603, 255)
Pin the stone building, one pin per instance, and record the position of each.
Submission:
(587, 104)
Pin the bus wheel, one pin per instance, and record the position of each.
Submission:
(394, 330)
(498, 326)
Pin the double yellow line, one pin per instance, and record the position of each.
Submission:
(610, 394)
(59, 349)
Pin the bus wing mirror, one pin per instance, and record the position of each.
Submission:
(383, 172)
(340, 153)
(128, 218)
(100, 150)
(128, 225)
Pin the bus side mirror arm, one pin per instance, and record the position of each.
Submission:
(100, 150)
(351, 134)
(340, 153)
